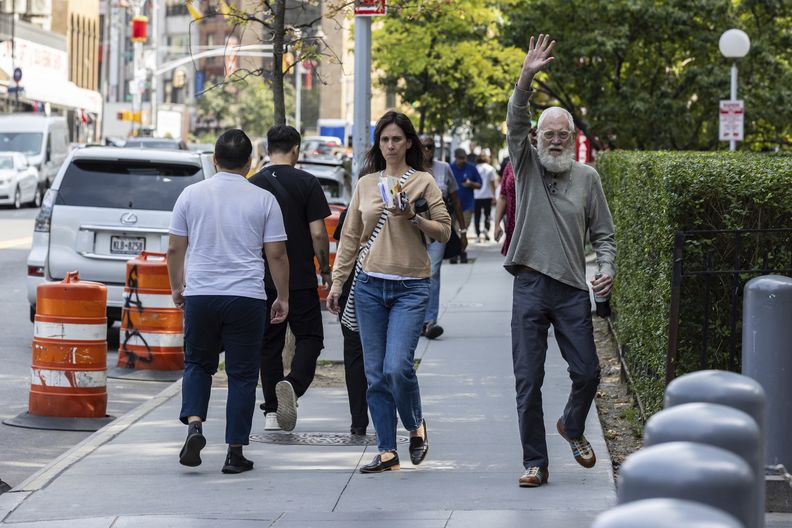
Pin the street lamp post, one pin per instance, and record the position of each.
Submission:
(734, 44)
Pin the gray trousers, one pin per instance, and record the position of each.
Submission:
(538, 302)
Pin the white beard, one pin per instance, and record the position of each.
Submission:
(556, 164)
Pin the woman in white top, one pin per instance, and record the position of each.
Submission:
(486, 194)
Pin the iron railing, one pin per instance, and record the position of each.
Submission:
(715, 265)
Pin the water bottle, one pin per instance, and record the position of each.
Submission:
(602, 303)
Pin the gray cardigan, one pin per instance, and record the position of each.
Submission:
(554, 211)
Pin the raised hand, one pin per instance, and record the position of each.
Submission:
(537, 58)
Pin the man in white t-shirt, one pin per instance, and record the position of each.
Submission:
(220, 225)
(484, 195)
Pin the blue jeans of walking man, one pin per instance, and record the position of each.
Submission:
(390, 314)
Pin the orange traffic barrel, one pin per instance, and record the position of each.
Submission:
(69, 367)
(331, 222)
(152, 328)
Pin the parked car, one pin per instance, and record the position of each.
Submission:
(155, 143)
(43, 140)
(18, 181)
(334, 176)
(321, 147)
(107, 205)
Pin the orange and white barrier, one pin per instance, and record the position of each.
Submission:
(331, 222)
(152, 328)
(69, 367)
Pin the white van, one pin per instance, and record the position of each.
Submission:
(44, 140)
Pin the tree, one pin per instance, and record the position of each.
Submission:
(444, 58)
(286, 24)
(648, 74)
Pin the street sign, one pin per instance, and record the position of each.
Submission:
(731, 120)
(16, 89)
(17, 74)
(370, 7)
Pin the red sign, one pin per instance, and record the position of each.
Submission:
(583, 152)
(370, 7)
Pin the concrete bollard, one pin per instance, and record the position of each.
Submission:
(689, 471)
(665, 513)
(767, 357)
(719, 426)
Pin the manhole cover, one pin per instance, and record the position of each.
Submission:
(318, 439)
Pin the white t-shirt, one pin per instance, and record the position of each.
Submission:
(488, 175)
(227, 220)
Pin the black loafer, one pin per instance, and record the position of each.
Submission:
(419, 446)
(378, 466)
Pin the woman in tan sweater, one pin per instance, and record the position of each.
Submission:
(387, 249)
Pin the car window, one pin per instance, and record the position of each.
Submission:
(6, 162)
(330, 188)
(126, 184)
(168, 145)
(26, 142)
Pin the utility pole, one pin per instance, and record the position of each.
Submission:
(155, 17)
(361, 124)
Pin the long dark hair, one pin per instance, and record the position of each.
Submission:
(375, 161)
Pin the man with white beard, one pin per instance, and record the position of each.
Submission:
(558, 201)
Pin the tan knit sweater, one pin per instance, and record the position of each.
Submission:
(399, 248)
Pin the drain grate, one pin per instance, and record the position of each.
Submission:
(318, 439)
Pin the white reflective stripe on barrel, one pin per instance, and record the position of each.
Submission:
(69, 331)
(148, 300)
(154, 340)
(78, 379)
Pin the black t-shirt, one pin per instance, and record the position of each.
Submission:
(304, 204)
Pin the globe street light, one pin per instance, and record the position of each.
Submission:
(734, 44)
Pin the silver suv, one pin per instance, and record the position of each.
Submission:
(105, 206)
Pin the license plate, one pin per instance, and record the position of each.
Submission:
(124, 245)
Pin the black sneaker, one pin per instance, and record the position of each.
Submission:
(236, 464)
(453, 260)
(463, 258)
(190, 454)
(433, 331)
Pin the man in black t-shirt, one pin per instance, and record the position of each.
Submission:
(304, 207)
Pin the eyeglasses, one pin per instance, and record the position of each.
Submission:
(563, 135)
(427, 146)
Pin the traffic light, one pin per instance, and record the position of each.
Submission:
(129, 115)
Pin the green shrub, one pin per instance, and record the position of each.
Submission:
(654, 194)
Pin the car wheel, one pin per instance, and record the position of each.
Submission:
(37, 197)
(17, 198)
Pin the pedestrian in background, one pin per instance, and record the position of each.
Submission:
(484, 195)
(505, 208)
(304, 207)
(444, 178)
(220, 225)
(468, 180)
(559, 200)
(386, 248)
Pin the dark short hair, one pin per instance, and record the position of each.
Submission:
(282, 138)
(375, 161)
(232, 149)
(460, 153)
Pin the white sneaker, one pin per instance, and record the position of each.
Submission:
(287, 405)
(271, 422)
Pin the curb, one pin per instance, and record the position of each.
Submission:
(48, 473)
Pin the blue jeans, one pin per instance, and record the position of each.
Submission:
(236, 324)
(390, 315)
(436, 251)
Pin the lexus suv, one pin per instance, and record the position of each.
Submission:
(105, 206)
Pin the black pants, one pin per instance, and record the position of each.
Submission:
(539, 301)
(305, 321)
(482, 205)
(355, 378)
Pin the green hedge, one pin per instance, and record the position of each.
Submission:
(654, 194)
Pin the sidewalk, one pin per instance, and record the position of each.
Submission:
(128, 474)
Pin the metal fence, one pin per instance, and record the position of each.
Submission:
(710, 269)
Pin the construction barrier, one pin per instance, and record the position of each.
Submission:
(152, 328)
(69, 367)
(331, 222)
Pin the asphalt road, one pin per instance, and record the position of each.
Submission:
(25, 451)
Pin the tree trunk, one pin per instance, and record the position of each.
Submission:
(279, 6)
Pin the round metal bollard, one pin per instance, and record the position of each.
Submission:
(767, 357)
(665, 513)
(719, 426)
(689, 471)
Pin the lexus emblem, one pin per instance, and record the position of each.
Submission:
(129, 218)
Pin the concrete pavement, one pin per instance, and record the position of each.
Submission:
(128, 473)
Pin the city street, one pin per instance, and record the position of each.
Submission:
(25, 451)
